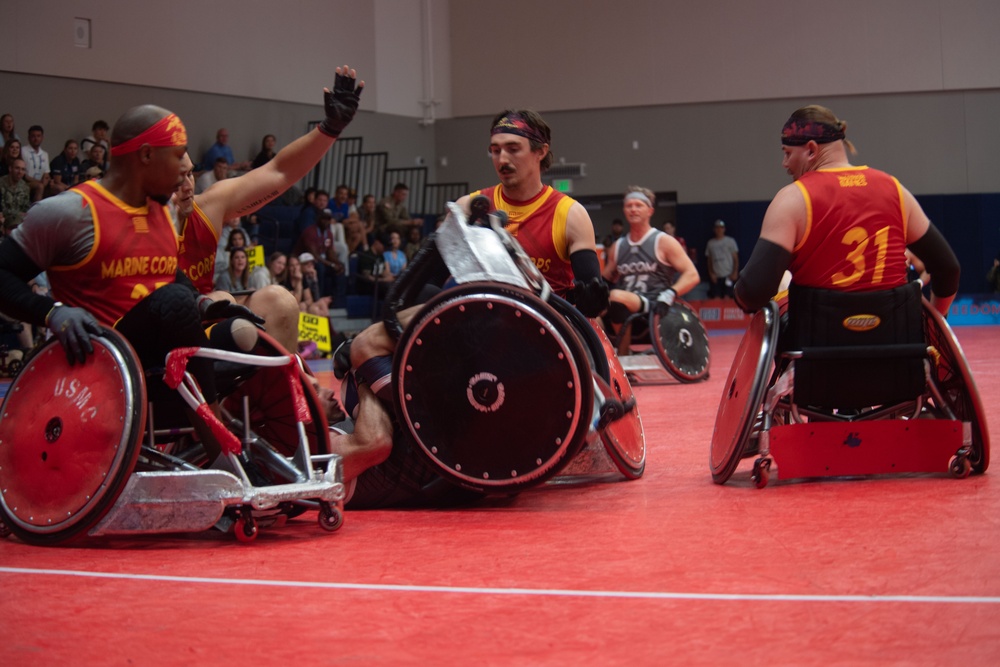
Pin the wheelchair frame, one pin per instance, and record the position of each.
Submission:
(942, 430)
(74, 426)
(494, 274)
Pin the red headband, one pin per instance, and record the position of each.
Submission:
(516, 124)
(168, 131)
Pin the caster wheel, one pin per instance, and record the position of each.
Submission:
(246, 529)
(330, 517)
(960, 467)
(761, 472)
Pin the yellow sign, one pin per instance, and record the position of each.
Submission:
(255, 257)
(316, 329)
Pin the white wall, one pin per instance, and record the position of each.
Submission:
(565, 54)
(703, 87)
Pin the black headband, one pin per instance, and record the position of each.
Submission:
(798, 132)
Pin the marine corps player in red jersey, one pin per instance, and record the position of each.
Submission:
(838, 226)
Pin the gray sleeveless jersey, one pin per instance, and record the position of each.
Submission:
(638, 269)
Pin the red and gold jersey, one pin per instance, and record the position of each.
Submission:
(198, 245)
(855, 231)
(134, 253)
(539, 225)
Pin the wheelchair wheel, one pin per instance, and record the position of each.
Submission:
(743, 393)
(681, 342)
(958, 389)
(493, 386)
(587, 330)
(623, 439)
(69, 439)
(272, 409)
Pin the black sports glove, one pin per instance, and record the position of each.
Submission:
(479, 211)
(73, 327)
(590, 298)
(212, 311)
(341, 104)
(665, 300)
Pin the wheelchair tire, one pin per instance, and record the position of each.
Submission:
(465, 410)
(681, 342)
(957, 386)
(743, 393)
(69, 439)
(623, 439)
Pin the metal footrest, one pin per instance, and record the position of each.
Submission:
(644, 369)
(195, 500)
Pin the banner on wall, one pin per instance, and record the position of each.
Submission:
(720, 314)
(975, 309)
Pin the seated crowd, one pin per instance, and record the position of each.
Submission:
(340, 247)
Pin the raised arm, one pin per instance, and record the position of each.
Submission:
(235, 197)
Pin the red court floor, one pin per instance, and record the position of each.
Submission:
(669, 569)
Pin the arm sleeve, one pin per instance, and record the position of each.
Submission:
(17, 300)
(761, 276)
(585, 265)
(939, 260)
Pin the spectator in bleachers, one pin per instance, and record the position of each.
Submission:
(391, 214)
(218, 172)
(96, 157)
(266, 153)
(236, 277)
(373, 276)
(395, 258)
(354, 235)
(232, 236)
(98, 135)
(92, 174)
(310, 210)
(7, 129)
(11, 152)
(314, 301)
(414, 240)
(367, 214)
(273, 273)
(221, 149)
(65, 170)
(325, 241)
(36, 161)
(15, 195)
(339, 205)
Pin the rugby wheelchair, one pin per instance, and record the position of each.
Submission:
(857, 384)
(678, 345)
(83, 452)
(498, 384)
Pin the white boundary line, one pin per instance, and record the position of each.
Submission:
(550, 592)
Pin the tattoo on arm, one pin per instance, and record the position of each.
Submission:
(260, 201)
